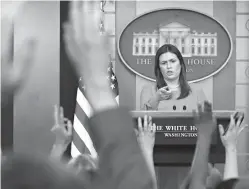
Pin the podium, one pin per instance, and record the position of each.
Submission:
(176, 136)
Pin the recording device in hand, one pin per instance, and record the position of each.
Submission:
(236, 117)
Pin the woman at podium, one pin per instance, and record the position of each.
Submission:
(171, 91)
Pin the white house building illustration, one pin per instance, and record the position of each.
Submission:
(189, 43)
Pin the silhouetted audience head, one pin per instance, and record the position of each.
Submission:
(21, 171)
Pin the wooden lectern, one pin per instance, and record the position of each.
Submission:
(176, 137)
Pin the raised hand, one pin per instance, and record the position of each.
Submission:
(229, 140)
(204, 120)
(146, 139)
(62, 128)
(10, 9)
(146, 134)
(14, 71)
(87, 47)
(230, 137)
(89, 52)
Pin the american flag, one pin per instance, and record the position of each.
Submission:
(82, 143)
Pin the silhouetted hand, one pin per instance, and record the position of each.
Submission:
(204, 120)
(10, 9)
(14, 71)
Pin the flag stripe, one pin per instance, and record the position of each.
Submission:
(117, 99)
(83, 102)
(82, 88)
(79, 143)
(82, 142)
(81, 115)
(83, 134)
(74, 151)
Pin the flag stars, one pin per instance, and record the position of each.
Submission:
(112, 86)
(113, 77)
